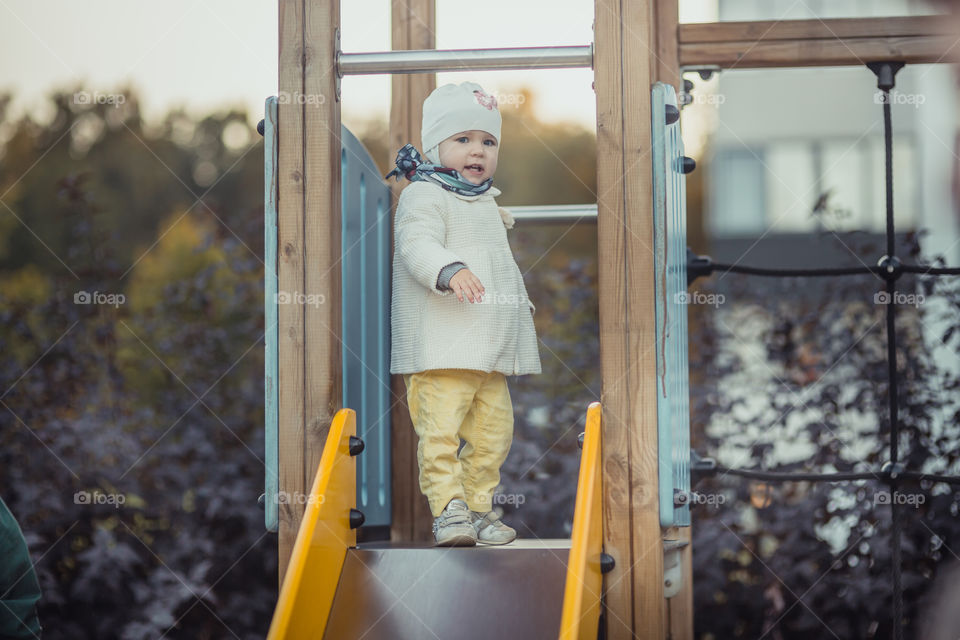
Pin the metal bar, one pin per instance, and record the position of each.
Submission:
(555, 213)
(438, 60)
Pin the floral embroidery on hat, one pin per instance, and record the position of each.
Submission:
(485, 99)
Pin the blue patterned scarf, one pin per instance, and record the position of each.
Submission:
(412, 165)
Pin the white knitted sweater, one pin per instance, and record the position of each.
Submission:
(431, 328)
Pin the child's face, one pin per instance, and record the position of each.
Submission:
(468, 150)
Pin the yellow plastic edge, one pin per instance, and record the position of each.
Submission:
(581, 594)
(310, 584)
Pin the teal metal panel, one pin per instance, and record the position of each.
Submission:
(270, 375)
(669, 232)
(365, 277)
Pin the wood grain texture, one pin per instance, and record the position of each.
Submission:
(413, 26)
(290, 203)
(668, 50)
(323, 362)
(814, 29)
(649, 615)
(309, 252)
(621, 30)
(625, 64)
(819, 53)
(812, 43)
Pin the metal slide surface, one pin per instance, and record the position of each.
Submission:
(393, 591)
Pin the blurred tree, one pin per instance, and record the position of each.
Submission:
(131, 432)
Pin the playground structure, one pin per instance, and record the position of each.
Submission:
(314, 374)
(334, 589)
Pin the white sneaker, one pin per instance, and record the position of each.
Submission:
(490, 529)
(453, 528)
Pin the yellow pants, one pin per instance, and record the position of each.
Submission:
(445, 406)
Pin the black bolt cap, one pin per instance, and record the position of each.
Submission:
(356, 518)
(607, 563)
(672, 114)
(356, 445)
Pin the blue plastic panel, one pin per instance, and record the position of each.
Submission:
(673, 389)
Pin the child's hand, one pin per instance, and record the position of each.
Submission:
(464, 281)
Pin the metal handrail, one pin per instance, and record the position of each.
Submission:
(555, 213)
(440, 60)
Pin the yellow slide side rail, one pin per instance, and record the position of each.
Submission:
(310, 583)
(581, 594)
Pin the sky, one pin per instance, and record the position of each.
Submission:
(208, 55)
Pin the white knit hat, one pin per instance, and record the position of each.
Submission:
(453, 108)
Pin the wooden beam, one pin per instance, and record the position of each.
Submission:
(668, 52)
(815, 29)
(290, 432)
(625, 65)
(308, 233)
(818, 53)
(413, 26)
(812, 43)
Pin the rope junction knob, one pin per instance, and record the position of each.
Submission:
(891, 267)
(892, 470)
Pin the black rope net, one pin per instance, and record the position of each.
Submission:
(890, 269)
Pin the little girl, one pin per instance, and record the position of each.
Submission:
(461, 318)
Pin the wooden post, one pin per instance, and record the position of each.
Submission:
(290, 277)
(625, 65)
(668, 50)
(413, 26)
(308, 233)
